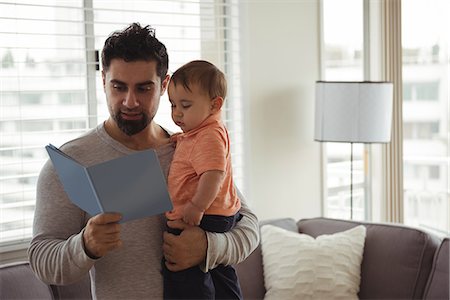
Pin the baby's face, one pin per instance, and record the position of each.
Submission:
(189, 108)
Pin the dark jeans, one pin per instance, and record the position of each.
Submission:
(219, 283)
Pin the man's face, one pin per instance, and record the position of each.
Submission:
(133, 90)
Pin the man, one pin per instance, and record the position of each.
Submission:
(126, 257)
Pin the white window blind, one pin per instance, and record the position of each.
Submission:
(51, 88)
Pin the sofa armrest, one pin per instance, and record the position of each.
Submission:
(438, 282)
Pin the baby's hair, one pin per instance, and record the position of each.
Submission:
(208, 77)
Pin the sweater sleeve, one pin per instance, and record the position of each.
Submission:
(56, 251)
(236, 245)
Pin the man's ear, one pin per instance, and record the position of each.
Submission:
(104, 79)
(164, 84)
(216, 104)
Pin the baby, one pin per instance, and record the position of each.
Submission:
(200, 179)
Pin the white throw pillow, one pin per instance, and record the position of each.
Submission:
(297, 266)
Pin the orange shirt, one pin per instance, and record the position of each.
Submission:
(202, 149)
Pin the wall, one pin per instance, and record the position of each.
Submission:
(280, 56)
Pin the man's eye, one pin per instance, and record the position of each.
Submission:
(144, 88)
(118, 87)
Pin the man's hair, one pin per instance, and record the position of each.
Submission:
(208, 77)
(135, 43)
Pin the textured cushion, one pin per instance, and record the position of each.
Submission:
(250, 271)
(297, 266)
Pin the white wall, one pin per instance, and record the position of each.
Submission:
(280, 43)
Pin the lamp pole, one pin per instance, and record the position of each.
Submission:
(351, 180)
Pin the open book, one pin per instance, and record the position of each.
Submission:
(132, 185)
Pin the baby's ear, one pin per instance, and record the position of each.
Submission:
(216, 104)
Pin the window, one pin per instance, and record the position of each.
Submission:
(421, 91)
(420, 130)
(343, 61)
(52, 92)
(426, 114)
(426, 125)
(434, 172)
(71, 97)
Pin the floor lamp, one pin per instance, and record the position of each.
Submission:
(353, 112)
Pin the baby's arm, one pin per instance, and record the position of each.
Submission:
(207, 190)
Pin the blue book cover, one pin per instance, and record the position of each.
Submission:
(133, 185)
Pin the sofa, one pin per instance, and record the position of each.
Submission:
(398, 262)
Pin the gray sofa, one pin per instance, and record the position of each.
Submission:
(398, 263)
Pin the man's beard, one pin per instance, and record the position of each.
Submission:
(131, 127)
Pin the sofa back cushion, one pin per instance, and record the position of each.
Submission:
(438, 282)
(396, 262)
(17, 281)
(80, 290)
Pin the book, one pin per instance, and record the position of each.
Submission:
(133, 185)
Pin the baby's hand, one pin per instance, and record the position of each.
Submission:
(192, 214)
(174, 137)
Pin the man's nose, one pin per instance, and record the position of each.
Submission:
(131, 100)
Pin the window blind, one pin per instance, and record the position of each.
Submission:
(51, 89)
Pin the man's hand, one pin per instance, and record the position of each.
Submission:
(102, 234)
(185, 250)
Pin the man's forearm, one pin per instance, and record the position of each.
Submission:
(56, 252)
(59, 262)
(234, 246)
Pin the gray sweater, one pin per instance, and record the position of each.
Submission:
(133, 271)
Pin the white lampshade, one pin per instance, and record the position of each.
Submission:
(359, 112)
